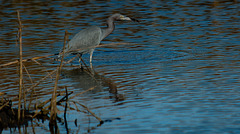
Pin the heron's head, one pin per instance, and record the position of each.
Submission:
(118, 16)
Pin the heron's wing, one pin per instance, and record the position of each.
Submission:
(85, 40)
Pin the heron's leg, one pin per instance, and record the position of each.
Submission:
(91, 53)
(79, 60)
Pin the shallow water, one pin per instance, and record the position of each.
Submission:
(177, 71)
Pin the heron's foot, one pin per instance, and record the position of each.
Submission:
(56, 59)
(81, 66)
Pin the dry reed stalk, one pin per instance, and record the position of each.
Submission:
(33, 88)
(47, 107)
(54, 98)
(37, 62)
(53, 105)
(24, 93)
(4, 105)
(43, 104)
(20, 65)
(82, 92)
(98, 118)
(2, 93)
(49, 100)
(64, 98)
(33, 128)
(36, 84)
(43, 109)
(28, 73)
(24, 100)
(42, 79)
(45, 56)
(76, 106)
(24, 60)
(42, 66)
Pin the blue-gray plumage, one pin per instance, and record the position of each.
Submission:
(86, 40)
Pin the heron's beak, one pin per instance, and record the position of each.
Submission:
(135, 20)
(124, 18)
(128, 18)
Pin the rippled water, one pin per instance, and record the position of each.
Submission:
(175, 72)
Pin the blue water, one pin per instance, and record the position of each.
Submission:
(177, 71)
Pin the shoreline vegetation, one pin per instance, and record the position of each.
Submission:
(11, 117)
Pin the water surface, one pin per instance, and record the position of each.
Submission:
(175, 72)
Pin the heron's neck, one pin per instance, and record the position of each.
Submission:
(109, 29)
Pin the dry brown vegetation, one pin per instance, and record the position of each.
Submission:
(13, 117)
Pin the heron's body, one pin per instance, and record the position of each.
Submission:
(87, 39)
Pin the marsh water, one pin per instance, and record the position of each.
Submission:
(177, 71)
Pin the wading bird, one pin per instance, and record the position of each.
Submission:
(86, 40)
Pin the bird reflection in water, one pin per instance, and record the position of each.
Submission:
(84, 80)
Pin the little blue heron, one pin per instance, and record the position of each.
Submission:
(86, 40)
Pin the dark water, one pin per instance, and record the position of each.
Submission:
(175, 72)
